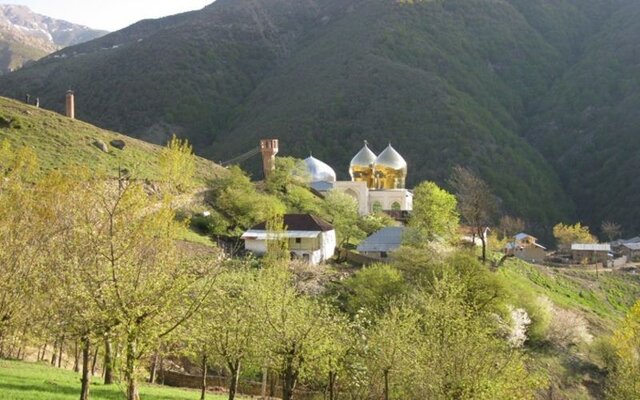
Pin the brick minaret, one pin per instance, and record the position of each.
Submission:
(269, 149)
(71, 106)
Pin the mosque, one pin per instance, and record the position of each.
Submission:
(377, 181)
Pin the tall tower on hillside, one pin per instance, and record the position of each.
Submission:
(70, 105)
(269, 149)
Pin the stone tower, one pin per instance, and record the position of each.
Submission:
(269, 149)
(71, 106)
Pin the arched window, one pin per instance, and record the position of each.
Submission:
(396, 206)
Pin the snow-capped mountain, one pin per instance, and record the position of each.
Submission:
(26, 36)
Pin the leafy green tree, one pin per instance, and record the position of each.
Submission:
(177, 164)
(341, 210)
(239, 205)
(623, 381)
(296, 333)
(434, 214)
(373, 289)
(226, 325)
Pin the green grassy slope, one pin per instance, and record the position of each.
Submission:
(30, 381)
(603, 298)
(61, 142)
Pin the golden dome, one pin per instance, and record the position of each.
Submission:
(361, 167)
(390, 169)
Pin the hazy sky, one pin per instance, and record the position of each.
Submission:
(109, 14)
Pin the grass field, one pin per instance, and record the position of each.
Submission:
(61, 142)
(31, 381)
(604, 299)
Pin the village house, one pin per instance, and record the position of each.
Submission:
(526, 247)
(310, 238)
(631, 251)
(591, 252)
(381, 243)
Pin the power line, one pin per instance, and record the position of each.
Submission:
(241, 157)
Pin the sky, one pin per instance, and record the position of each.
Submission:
(109, 15)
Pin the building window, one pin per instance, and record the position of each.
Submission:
(396, 206)
(298, 240)
(377, 207)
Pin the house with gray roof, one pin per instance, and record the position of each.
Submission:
(591, 252)
(383, 242)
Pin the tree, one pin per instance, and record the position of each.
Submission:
(510, 226)
(226, 326)
(611, 230)
(623, 381)
(151, 286)
(295, 333)
(373, 289)
(475, 202)
(177, 164)
(434, 213)
(236, 199)
(341, 210)
(24, 234)
(567, 234)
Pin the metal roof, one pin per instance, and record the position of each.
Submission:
(300, 222)
(632, 246)
(385, 240)
(264, 235)
(523, 235)
(591, 247)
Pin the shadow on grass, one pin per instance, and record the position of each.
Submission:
(48, 388)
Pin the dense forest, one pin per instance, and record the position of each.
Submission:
(536, 97)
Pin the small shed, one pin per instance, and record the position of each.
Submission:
(591, 252)
(383, 242)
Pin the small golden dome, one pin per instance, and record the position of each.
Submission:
(390, 169)
(361, 167)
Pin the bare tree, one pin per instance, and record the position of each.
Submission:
(475, 202)
(611, 230)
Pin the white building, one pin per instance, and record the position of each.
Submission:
(310, 238)
(377, 182)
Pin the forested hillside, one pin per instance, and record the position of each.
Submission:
(520, 91)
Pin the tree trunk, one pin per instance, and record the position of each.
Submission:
(60, 352)
(54, 355)
(203, 383)
(161, 369)
(86, 356)
(386, 384)
(265, 375)
(483, 239)
(289, 380)
(154, 368)
(235, 376)
(332, 383)
(108, 362)
(94, 361)
(76, 359)
(44, 352)
(130, 371)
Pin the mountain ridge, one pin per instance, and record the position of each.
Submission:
(453, 82)
(26, 36)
